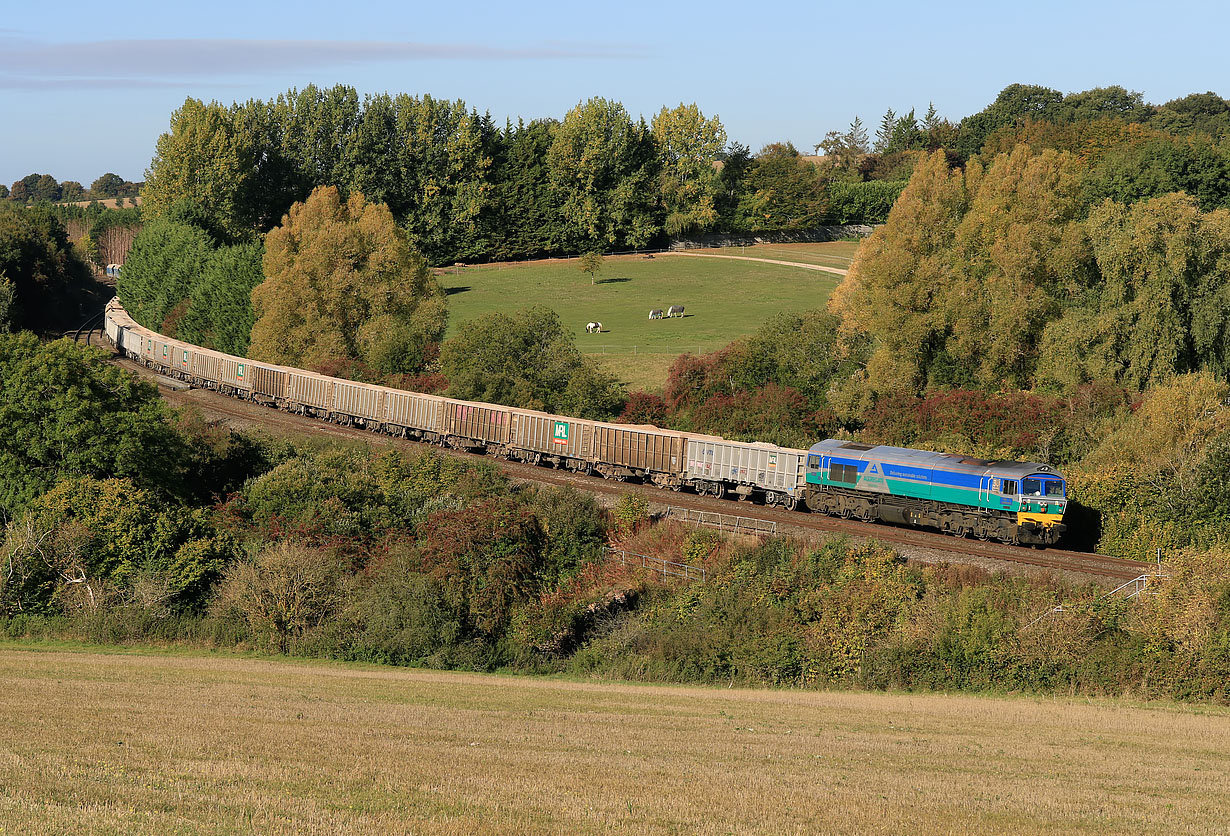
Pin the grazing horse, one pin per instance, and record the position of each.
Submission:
(675, 310)
(656, 313)
(594, 328)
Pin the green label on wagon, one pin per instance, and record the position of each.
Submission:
(561, 432)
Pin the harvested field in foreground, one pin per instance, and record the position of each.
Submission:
(152, 744)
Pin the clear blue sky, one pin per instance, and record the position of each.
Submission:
(86, 88)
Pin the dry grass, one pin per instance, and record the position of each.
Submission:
(112, 743)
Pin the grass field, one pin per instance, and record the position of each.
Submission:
(725, 298)
(156, 744)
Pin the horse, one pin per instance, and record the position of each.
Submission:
(675, 310)
(656, 313)
(593, 328)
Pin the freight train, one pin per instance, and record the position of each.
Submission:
(1014, 502)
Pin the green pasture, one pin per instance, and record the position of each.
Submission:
(725, 298)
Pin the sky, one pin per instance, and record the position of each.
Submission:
(87, 87)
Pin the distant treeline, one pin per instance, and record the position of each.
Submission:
(44, 188)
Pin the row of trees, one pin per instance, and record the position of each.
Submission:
(44, 188)
(466, 189)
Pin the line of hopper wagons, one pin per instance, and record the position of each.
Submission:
(665, 458)
(963, 497)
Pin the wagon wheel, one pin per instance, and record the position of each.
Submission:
(791, 503)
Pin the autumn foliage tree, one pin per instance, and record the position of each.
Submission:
(342, 282)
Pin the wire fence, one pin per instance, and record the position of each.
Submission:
(666, 568)
(722, 522)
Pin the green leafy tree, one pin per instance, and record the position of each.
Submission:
(87, 539)
(781, 191)
(71, 190)
(526, 359)
(108, 185)
(525, 222)
(1206, 113)
(166, 261)
(1014, 104)
(67, 412)
(602, 169)
(46, 189)
(342, 282)
(220, 313)
(204, 160)
(1162, 306)
(957, 287)
(688, 146)
(446, 157)
(590, 263)
(51, 287)
(884, 135)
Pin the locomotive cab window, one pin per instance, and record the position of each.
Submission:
(1052, 488)
(813, 462)
(1009, 487)
(846, 473)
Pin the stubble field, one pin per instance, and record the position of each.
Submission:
(155, 744)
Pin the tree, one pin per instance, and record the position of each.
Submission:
(688, 146)
(526, 359)
(46, 189)
(51, 286)
(67, 412)
(286, 591)
(602, 167)
(220, 311)
(204, 160)
(525, 222)
(342, 282)
(885, 133)
(1014, 104)
(108, 185)
(846, 149)
(590, 263)
(1162, 306)
(781, 191)
(165, 262)
(71, 190)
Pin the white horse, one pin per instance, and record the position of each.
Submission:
(675, 310)
(593, 328)
(656, 313)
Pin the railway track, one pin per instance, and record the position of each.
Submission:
(919, 544)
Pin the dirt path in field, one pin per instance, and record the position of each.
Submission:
(836, 270)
